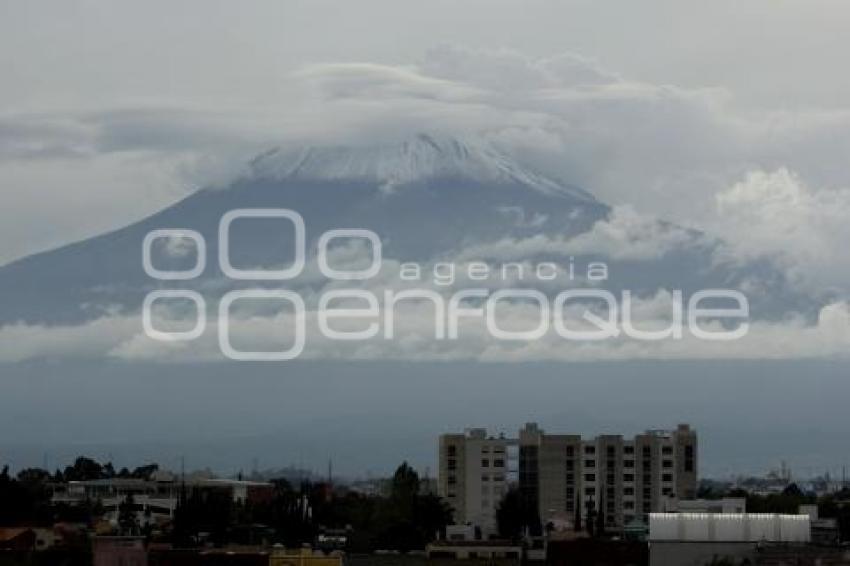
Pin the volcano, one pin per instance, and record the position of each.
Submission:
(425, 197)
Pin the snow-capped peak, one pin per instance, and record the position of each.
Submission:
(419, 158)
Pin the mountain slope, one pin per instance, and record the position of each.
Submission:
(423, 197)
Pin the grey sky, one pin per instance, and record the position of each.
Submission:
(728, 116)
(63, 62)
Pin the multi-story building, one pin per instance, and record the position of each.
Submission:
(624, 479)
(473, 476)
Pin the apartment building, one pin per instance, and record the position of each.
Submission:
(474, 475)
(623, 478)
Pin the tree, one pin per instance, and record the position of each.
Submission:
(204, 510)
(33, 476)
(25, 499)
(83, 469)
(509, 515)
(577, 518)
(591, 515)
(431, 514)
(600, 518)
(144, 472)
(405, 484)
(127, 521)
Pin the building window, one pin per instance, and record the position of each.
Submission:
(570, 451)
(628, 449)
(570, 478)
(667, 477)
(647, 493)
(452, 480)
(452, 450)
(485, 463)
(689, 458)
(646, 452)
(628, 477)
(666, 450)
(589, 491)
(667, 463)
(628, 491)
(498, 477)
(628, 463)
(590, 463)
(628, 505)
(498, 463)
(485, 477)
(590, 449)
(589, 477)
(570, 465)
(452, 464)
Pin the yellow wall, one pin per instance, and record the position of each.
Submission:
(302, 557)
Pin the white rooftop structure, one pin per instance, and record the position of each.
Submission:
(729, 527)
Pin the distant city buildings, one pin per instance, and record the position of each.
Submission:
(624, 479)
(156, 499)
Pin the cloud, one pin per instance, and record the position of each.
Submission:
(122, 337)
(623, 235)
(776, 215)
(504, 70)
(663, 151)
(373, 81)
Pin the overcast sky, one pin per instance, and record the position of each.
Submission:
(727, 116)
(110, 110)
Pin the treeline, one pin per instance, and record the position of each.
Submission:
(403, 520)
(25, 499)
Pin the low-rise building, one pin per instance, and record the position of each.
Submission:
(153, 500)
(493, 551)
(684, 539)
